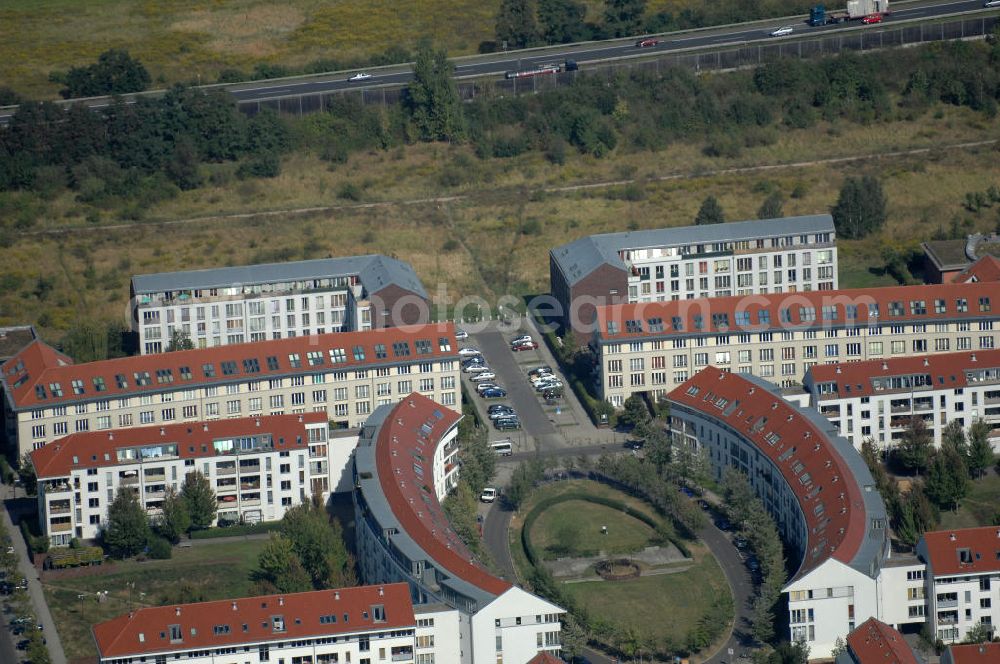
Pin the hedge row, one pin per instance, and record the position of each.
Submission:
(235, 531)
(618, 505)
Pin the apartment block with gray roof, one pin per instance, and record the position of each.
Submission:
(229, 305)
(740, 258)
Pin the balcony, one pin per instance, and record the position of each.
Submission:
(60, 527)
(950, 620)
(59, 508)
(57, 487)
(250, 486)
(129, 480)
(159, 477)
(947, 604)
(222, 471)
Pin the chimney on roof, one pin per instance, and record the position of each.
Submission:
(111, 435)
(336, 594)
(381, 591)
(839, 370)
(234, 605)
(952, 537)
(412, 405)
(300, 418)
(885, 366)
(973, 357)
(177, 611)
(281, 601)
(163, 432)
(204, 427)
(927, 362)
(257, 422)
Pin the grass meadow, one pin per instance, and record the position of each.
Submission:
(490, 235)
(215, 570)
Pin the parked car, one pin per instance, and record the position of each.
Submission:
(635, 444)
(485, 386)
(477, 368)
(23, 644)
(461, 334)
(494, 393)
(703, 504)
(477, 361)
(539, 371)
(360, 76)
(488, 495)
(468, 351)
(991, 3)
(483, 375)
(507, 423)
(503, 411)
(649, 41)
(872, 18)
(521, 339)
(524, 345)
(723, 525)
(782, 31)
(753, 564)
(551, 385)
(687, 492)
(552, 393)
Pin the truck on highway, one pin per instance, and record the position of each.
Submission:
(856, 9)
(542, 70)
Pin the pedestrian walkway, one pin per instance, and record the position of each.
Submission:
(41, 608)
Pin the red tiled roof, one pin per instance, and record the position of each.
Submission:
(986, 269)
(249, 620)
(975, 653)
(408, 437)
(838, 531)
(546, 658)
(40, 365)
(874, 642)
(712, 310)
(947, 371)
(983, 544)
(95, 449)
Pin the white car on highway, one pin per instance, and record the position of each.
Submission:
(782, 31)
(360, 76)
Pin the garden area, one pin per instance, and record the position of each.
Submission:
(597, 549)
(203, 571)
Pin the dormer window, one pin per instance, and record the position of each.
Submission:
(964, 556)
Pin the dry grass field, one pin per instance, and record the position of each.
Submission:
(492, 235)
(192, 40)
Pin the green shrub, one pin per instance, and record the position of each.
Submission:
(160, 549)
(235, 531)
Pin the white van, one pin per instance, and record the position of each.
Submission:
(502, 447)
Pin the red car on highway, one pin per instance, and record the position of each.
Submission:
(643, 43)
(872, 18)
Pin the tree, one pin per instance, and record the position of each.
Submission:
(279, 569)
(199, 498)
(319, 545)
(978, 633)
(182, 168)
(635, 413)
(953, 437)
(772, 207)
(115, 73)
(947, 479)
(26, 473)
(127, 529)
(523, 481)
(981, 454)
(432, 97)
(860, 208)
(914, 448)
(623, 17)
(175, 520)
(561, 21)
(515, 23)
(839, 648)
(710, 212)
(179, 341)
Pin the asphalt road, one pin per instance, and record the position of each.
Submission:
(520, 394)
(499, 63)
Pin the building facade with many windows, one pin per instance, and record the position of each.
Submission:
(875, 400)
(257, 467)
(403, 467)
(345, 375)
(360, 625)
(812, 482)
(651, 348)
(740, 258)
(233, 305)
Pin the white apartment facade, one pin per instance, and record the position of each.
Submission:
(875, 400)
(814, 485)
(233, 305)
(740, 258)
(651, 348)
(257, 467)
(360, 625)
(345, 375)
(403, 467)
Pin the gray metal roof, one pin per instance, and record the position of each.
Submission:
(581, 257)
(375, 272)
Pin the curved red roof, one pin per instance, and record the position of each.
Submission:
(828, 494)
(406, 442)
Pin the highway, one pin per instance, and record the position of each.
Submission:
(499, 63)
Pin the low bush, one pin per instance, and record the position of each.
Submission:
(236, 530)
